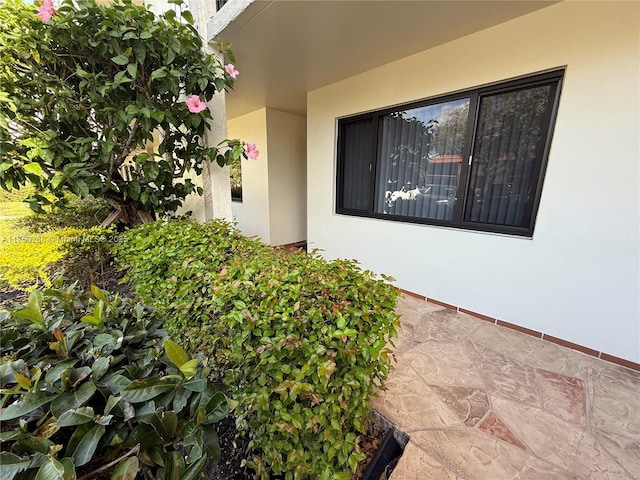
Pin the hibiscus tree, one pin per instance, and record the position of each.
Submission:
(85, 88)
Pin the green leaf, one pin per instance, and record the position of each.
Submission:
(98, 293)
(72, 400)
(112, 402)
(92, 320)
(159, 73)
(76, 417)
(188, 17)
(52, 469)
(8, 435)
(189, 368)
(35, 317)
(87, 446)
(35, 302)
(120, 60)
(28, 403)
(194, 470)
(127, 469)
(211, 443)
(33, 444)
(170, 424)
(134, 190)
(11, 464)
(216, 409)
(144, 390)
(195, 385)
(69, 468)
(105, 342)
(145, 435)
(34, 169)
(174, 466)
(132, 69)
(99, 367)
(58, 179)
(151, 170)
(176, 353)
(55, 372)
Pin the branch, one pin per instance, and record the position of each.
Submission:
(116, 161)
(89, 475)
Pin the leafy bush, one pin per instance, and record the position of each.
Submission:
(301, 341)
(74, 212)
(86, 256)
(83, 91)
(95, 377)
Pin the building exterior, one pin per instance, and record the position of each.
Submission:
(485, 154)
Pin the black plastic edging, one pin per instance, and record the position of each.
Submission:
(387, 452)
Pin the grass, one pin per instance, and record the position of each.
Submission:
(14, 210)
(23, 255)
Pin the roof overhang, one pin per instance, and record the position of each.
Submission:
(285, 48)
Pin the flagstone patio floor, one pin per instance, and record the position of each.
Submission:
(484, 402)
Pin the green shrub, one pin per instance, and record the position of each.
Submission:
(86, 256)
(301, 341)
(95, 377)
(74, 212)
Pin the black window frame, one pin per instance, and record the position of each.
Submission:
(554, 78)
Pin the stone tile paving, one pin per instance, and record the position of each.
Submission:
(483, 402)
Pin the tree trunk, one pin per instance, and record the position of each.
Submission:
(128, 215)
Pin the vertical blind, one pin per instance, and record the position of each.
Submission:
(473, 160)
(420, 152)
(355, 174)
(507, 150)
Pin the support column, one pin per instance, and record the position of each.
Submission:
(215, 180)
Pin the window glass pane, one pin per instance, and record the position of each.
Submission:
(235, 177)
(507, 156)
(420, 154)
(356, 139)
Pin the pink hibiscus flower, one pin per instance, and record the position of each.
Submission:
(252, 151)
(47, 10)
(195, 104)
(231, 70)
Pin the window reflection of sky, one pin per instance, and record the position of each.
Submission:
(432, 112)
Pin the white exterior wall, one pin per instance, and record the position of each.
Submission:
(273, 203)
(578, 278)
(287, 177)
(252, 214)
(214, 180)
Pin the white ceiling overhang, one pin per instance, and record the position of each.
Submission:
(286, 48)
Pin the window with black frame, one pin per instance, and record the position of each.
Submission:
(472, 160)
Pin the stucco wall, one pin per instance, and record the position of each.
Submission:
(287, 177)
(252, 214)
(273, 203)
(578, 278)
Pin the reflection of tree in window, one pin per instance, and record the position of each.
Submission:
(408, 162)
(419, 161)
(507, 155)
(235, 174)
